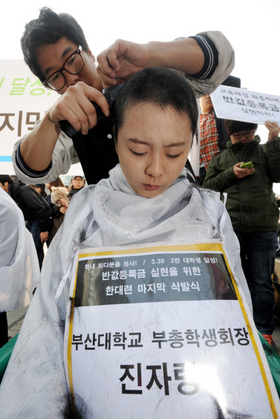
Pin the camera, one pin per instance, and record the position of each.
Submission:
(110, 93)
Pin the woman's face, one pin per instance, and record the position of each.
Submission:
(153, 146)
(78, 182)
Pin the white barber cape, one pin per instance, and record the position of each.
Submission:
(19, 268)
(107, 214)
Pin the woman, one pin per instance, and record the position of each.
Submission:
(77, 183)
(58, 211)
(146, 200)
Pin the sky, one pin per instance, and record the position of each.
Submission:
(252, 27)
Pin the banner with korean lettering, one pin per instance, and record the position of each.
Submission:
(164, 331)
(244, 105)
(24, 101)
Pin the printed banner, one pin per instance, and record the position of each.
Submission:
(161, 332)
(244, 105)
(24, 100)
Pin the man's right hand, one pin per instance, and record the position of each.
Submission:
(241, 172)
(120, 61)
(75, 107)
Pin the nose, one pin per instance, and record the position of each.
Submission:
(154, 167)
(71, 79)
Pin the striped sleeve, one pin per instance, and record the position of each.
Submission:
(27, 170)
(211, 57)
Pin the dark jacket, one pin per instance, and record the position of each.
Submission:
(32, 204)
(251, 202)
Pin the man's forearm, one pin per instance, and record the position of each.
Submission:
(183, 54)
(37, 147)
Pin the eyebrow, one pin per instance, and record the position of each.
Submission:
(174, 144)
(65, 53)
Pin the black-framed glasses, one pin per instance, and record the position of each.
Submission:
(247, 135)
(73, 65)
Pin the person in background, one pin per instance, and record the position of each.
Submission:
(56, 183)
(212, 132)
(252, 207)
(209, 136)
(35, 209)
(19, 267)
(58, 207)
(56, 51)
(77, 183)
(40, 188)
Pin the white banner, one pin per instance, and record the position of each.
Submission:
(247, 106)
(163, 332)
(23, 102)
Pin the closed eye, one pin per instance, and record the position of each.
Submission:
(138, 154)
(173, 156)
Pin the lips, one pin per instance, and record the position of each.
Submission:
(151, 187)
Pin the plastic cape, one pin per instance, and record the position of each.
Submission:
(104, 215)
(19, 268)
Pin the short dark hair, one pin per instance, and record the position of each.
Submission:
(233, 127)
(49, 28)
(6, 178)
(160, 86)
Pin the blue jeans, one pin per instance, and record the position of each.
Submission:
(35, 230)
(258, 251)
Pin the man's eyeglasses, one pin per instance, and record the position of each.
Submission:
(73, 65)
(247, 135)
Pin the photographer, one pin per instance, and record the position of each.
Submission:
(55, 49)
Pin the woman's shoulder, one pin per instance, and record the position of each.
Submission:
(210, 199)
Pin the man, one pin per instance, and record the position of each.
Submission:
(35, 209)
(212, 131)
(252, 207)
(209, 137)
(56, 51)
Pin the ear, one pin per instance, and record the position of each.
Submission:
(91, 54)
(115, 140)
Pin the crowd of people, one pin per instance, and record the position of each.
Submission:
(141, 186)
(42, 213)
(250, 200)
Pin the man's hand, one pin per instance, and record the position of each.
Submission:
(75, 107)
(120, 61)
(123, 59)
(242, 172)
(273, 130)
(44, 235)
